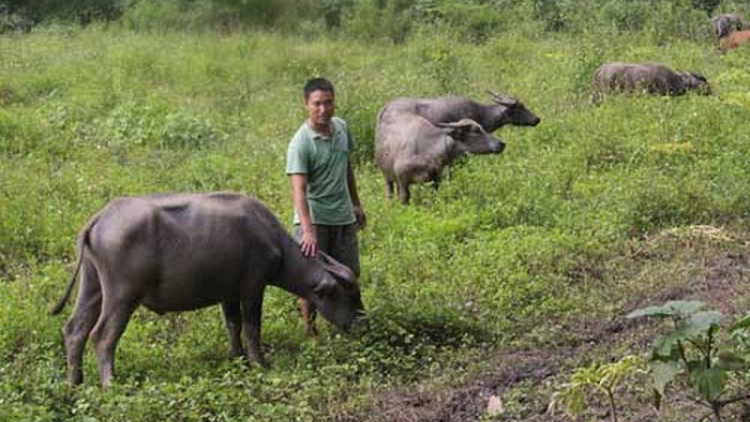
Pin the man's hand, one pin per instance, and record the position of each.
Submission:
(359, 214)
(309, 243)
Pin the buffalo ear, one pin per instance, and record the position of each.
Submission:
(459, 130)
(503, 100)
(340, 271)
(326, 287)
(461, 124)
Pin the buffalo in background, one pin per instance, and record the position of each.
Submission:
(410, 149)
(416, 138)
(727, 23)
(652, 78)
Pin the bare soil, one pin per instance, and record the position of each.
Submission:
(524, 378)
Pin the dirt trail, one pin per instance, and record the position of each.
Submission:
(524, 379)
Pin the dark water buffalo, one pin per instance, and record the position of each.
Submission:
(410, 149)
(726, 24)
(734, 40)
(182, 252)
(506, 110)
(652, 78)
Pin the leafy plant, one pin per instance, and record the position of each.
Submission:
(693, 348)
(602, 378)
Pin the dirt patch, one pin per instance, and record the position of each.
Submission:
(523, 379)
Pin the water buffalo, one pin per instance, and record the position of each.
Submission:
(734, 40)
(726, 24)
(180, 252)
(410, 149)
(440, 111)
(652, 78)
(506, 110)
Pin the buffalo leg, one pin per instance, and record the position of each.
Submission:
(308, 312)
(403, 192)
(389, 188)
(252, 310)
(233, 321)
(116, 312)
(78, 327)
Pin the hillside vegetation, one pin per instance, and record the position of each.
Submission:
(510, 246)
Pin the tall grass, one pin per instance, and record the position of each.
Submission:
(505, 247)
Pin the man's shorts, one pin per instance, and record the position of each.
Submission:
(340, 242)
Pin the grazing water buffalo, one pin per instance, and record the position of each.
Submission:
(506, 110)
(409, 149)
(726, 24)
(182, 252)
(649, 77)
(407, 126)
(734, 40)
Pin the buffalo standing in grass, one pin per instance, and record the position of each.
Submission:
(505, 110)
(652, 78)
(410, 149)
(406, 127)
(726, 24)
(182, 252)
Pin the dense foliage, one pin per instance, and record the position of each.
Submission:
(394, 18)
(171, 98)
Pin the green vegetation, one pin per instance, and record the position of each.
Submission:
(693, 347)
(507, 248)
(603, 378)
(711, 363)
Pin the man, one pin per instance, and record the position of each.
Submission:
(326, 203)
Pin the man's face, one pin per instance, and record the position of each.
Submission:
(320, 107)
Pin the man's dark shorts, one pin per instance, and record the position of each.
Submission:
(338, 241)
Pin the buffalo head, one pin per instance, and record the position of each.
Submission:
(515, 111)
(472, 138)
(337, 295)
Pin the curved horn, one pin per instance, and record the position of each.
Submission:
(503, 100)
(459, 124)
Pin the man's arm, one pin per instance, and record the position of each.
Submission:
(309, 240)
(359, 213)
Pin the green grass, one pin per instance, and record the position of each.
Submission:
(502, 249)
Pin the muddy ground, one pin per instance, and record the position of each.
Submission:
(522, 379)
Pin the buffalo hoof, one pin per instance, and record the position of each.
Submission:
(310, 330)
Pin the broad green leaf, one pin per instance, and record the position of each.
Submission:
(696, 365)
(664, 347)
(729, 361)
(684, 307)
(657, 311)
(703, 321)
(671, 308)
(698, 324)
(662, 373)
(709, 382)
(741, 324)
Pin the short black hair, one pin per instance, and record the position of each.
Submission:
(317, 84)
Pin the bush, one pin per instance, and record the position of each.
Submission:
(149, 125)
(374, 20)
(156, 16)
(626, 16)
(677, 20)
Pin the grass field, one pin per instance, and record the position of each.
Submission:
(508, 248)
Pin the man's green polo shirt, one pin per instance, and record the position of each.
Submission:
(324, 161)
